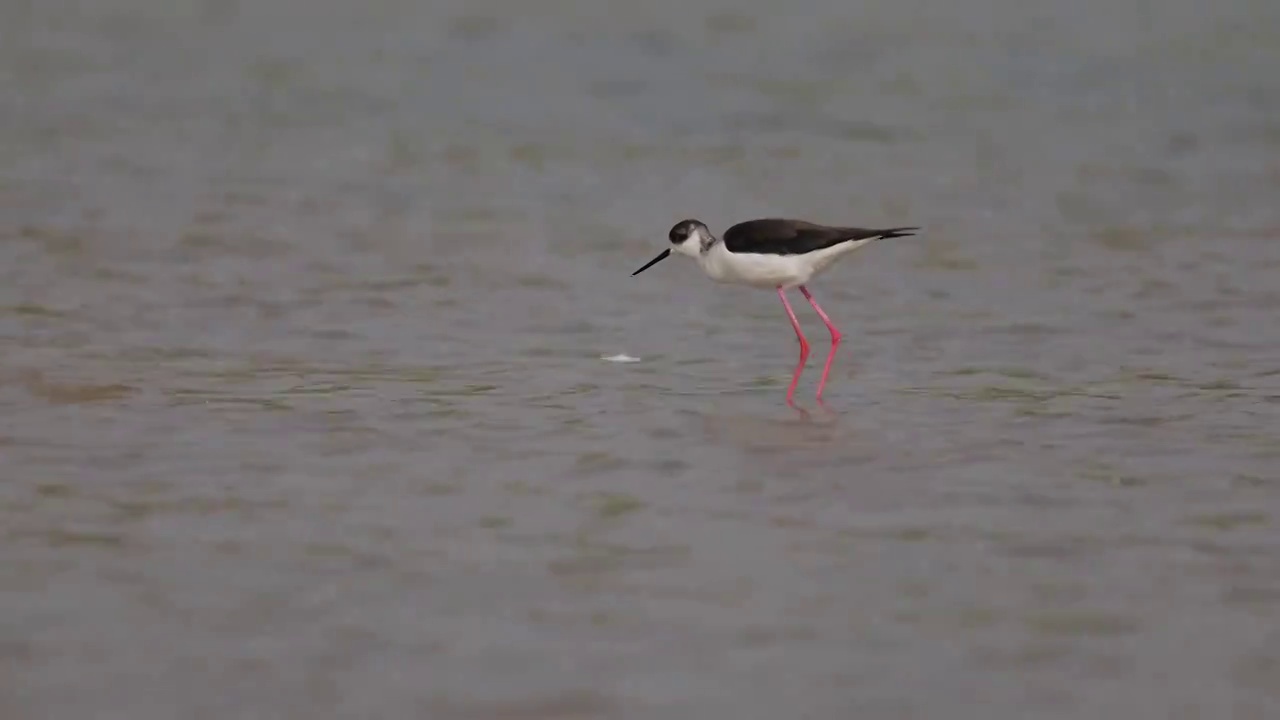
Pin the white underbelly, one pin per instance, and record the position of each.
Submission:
(761, 270)
(771, 271)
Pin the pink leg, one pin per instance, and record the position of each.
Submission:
(804, 348)
(835, 338)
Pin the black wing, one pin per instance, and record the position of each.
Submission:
(776, 236)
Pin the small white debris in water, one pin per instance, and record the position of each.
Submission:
(619, 358)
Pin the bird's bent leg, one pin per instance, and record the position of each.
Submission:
(804, 346)
(836, 336)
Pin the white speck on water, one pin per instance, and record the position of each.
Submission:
(622, 358)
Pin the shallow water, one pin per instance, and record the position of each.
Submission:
(304, 309)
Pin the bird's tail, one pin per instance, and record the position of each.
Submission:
(895, 232)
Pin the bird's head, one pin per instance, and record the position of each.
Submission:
(688, 237)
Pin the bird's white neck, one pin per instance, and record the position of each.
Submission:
(714, 261)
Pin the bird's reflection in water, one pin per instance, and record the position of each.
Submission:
(788, 428)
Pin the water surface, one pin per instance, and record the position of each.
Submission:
(303, 307)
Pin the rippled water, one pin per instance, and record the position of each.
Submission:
(304, 306)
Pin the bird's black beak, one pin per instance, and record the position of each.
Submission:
(661, 256)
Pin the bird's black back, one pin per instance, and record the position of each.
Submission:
(778, 236)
